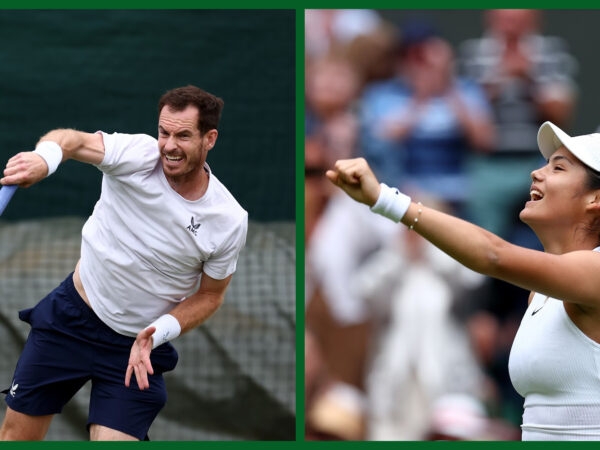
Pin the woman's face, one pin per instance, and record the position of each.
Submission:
(558, 189)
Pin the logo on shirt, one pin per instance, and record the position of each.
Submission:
(13, 389)
(533, 313)
(193, 227)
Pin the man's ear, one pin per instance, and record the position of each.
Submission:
(211, 138)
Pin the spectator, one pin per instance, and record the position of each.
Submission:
(334, 411)
(338, 322)
(316, 189)
(418, 127)
(328, 30)
(332, 86)
(414, 289)
(528, 78)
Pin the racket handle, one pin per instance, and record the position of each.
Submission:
(6, 193)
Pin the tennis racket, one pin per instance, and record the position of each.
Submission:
(6, 194)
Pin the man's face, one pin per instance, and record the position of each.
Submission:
(183, 149)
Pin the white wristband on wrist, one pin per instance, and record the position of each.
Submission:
(167, 328)
(391, 203)
(52, 154)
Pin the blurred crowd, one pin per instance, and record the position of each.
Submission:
(402, 342)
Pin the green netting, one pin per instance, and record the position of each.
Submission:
(236, 373)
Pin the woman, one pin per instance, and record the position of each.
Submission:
(556, 352)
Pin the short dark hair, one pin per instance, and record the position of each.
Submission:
(209, 106)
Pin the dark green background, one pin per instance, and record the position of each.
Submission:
(105, 70)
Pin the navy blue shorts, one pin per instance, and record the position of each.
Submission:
(69, 345)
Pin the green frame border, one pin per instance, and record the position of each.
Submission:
(299, 198)
(300, 225)
(299, 6)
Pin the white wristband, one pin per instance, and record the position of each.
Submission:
(52, 154)
(391, 203)
(167, 328)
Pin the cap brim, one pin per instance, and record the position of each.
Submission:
(550, 138)
(585, 148)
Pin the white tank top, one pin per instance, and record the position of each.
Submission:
(556, 368)
(145, 247)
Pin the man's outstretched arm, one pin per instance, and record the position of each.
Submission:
(27, 168)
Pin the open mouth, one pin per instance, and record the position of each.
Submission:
(173, 158)
(535, 195)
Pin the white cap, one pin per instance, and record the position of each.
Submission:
(586, 148)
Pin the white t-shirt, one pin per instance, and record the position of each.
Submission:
(144, 247)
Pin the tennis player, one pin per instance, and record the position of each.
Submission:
(555, 356)
(157, 255)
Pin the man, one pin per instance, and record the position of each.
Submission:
(157, 255)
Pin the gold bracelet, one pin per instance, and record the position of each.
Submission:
(412, 225)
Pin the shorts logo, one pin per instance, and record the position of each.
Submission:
(193, 227)
(13, 388)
